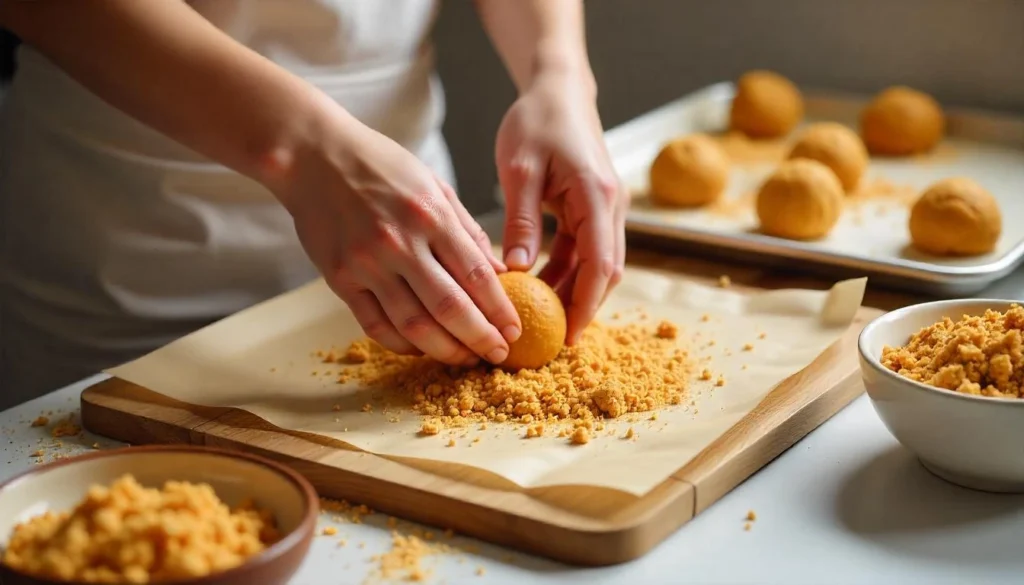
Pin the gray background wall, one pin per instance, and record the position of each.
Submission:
(647, 52)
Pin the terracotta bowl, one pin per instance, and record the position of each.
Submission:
(234, 476)
(972, 441)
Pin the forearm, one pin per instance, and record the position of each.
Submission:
(165, 65)
(538, 37)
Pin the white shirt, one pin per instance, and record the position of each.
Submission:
(117, 239)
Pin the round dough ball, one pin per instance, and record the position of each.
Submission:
(802, 200)
(955, 217)
(836, 147)
(689, 172)
(901, 121)
(543, 319)
(766, 105)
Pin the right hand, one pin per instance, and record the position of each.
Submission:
(395, 243)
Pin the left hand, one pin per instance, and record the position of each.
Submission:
(550, 152)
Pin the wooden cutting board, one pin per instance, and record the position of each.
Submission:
(577, 525)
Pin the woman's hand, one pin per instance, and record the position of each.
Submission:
(550, 152)
(394, 242)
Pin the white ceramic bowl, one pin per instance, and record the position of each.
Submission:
(234, 476)
(973, 441)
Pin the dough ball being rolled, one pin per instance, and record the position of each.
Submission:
(901, 121)
(955, 217)
(766, 105)
(542, 316)
(689, 172)
(801, 200)
(835, 146)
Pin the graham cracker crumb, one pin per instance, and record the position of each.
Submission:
(724, 281)
(480, 571)
(981, 355)
(534, 431)
(330, 531)
(720, 381)
(609, 372)
(451, 442)
(706, 375)
(580, 436)
(747, 526)
(762, 335)
(751, 516)
(66, 428)
(667, 330)
(748, 347)
(630, 433)
(41, 421)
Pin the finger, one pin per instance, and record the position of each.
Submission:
(412, 320)
(462, 259)
(451, 303)
(596, 253)
(565, 287)
(523, 180)
(471, 226)
(374, 322)
(561, 260)
(619, 230)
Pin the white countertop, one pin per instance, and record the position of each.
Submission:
(847, 504)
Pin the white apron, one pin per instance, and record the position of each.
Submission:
(116, 240)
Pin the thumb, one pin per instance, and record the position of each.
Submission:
(522, 178)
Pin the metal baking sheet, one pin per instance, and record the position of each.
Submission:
(872, 237)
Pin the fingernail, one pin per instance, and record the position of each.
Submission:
(511, 333)
(517, 258)
(497, 355)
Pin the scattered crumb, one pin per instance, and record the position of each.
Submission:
(480, 571)
(720, 381)
(705, 318)
(762, 335)
(724, 281)
(706, 375)
(336, 408)
(367, 407)
(534, 431)
(747, 526)
(630, 433)
(580, 436)
(982, 355)
(330, 531)
(667, 330)
(41, 421)
(451, 442)
(748, 347)
(430, 428)
(751, 516)
(66, 428)
(39, 453)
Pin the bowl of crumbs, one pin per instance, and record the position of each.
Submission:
(156, 514)
(947, 380)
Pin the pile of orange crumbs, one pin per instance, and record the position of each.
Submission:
(980, 355)
(611, 371)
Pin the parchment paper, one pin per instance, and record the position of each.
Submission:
(260, 360)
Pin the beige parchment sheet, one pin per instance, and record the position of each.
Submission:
(260, 360)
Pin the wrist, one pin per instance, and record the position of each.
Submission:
(279, 162)
(563, 64)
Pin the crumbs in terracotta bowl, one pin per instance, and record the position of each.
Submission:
(978, 355)
(127, 533)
